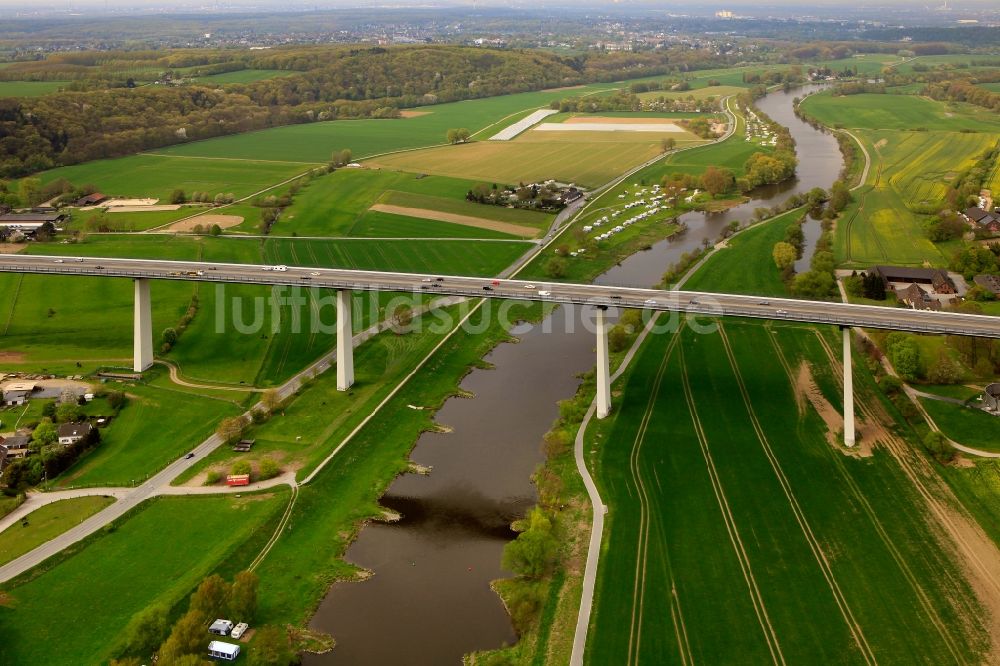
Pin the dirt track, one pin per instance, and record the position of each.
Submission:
(467, 220)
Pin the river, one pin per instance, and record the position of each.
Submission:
(429, 600)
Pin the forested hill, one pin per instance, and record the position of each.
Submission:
(335, 82)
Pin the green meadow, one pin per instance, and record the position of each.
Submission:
(46, 523)
(314, 142)
(156, 176)
(725, 270)
(910, 174)
(898, 112)
(30, 88)
(73, 610)
(244, 76)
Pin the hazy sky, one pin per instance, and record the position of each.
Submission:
(700, 6)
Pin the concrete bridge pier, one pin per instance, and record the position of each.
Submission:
(142, 332)
(345, 341)
(603, 368)
(849, 434)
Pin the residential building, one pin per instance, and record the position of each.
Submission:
(917, 298)
(13, 398)
(983, 220)
(938, 279)
(16, 446)
(71, 433)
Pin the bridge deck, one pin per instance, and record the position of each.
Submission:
(712, 304)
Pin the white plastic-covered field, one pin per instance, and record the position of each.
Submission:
(525, 123)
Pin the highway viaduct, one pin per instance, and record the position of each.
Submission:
(846, 316)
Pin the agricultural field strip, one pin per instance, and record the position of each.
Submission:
(455, 218)
(838, 460)
(814, 544)
(941, 503)
(229, 159)
(773, 644)
(642, 545)
(522, 125)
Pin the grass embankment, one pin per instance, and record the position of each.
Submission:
(46, 523)
(965, 425)
(313, 422)
(73, 608)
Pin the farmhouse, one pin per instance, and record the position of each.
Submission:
(938, 279)
(71, 433)
(990, 283)
(221, 650)
(917, 298)
(16, 446)
(983, 220)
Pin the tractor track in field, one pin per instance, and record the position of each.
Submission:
(852, 624)
(642, 546)
(770, 636)
(862, 500)
(981, 555)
